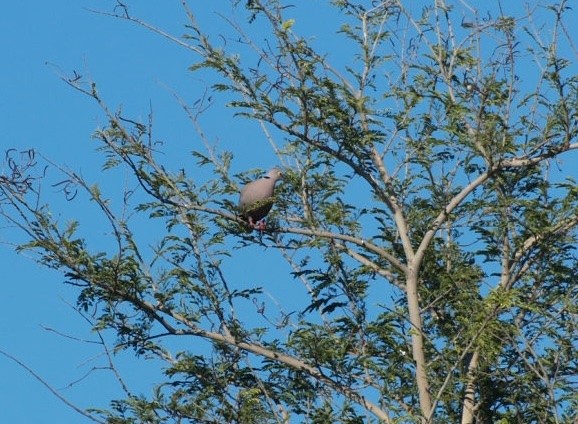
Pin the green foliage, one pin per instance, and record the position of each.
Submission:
(420, 212)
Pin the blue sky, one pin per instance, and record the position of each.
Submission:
(138, 71)
(37, 110)
(135, 69)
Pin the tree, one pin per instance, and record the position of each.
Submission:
(425, 209)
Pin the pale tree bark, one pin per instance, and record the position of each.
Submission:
(470, 392)
(417, 338)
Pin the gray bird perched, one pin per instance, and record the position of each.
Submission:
(256, 199)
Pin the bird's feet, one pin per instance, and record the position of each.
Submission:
(259, 225)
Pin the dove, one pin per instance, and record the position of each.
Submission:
(256, 199)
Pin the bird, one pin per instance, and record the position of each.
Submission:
(256, 199)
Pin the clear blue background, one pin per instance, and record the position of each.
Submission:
(133, 68)
(39, 40)
(140, 72)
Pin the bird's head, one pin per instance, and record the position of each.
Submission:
(274, 174)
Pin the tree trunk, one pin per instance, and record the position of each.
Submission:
(418, 344)
(469, 402)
